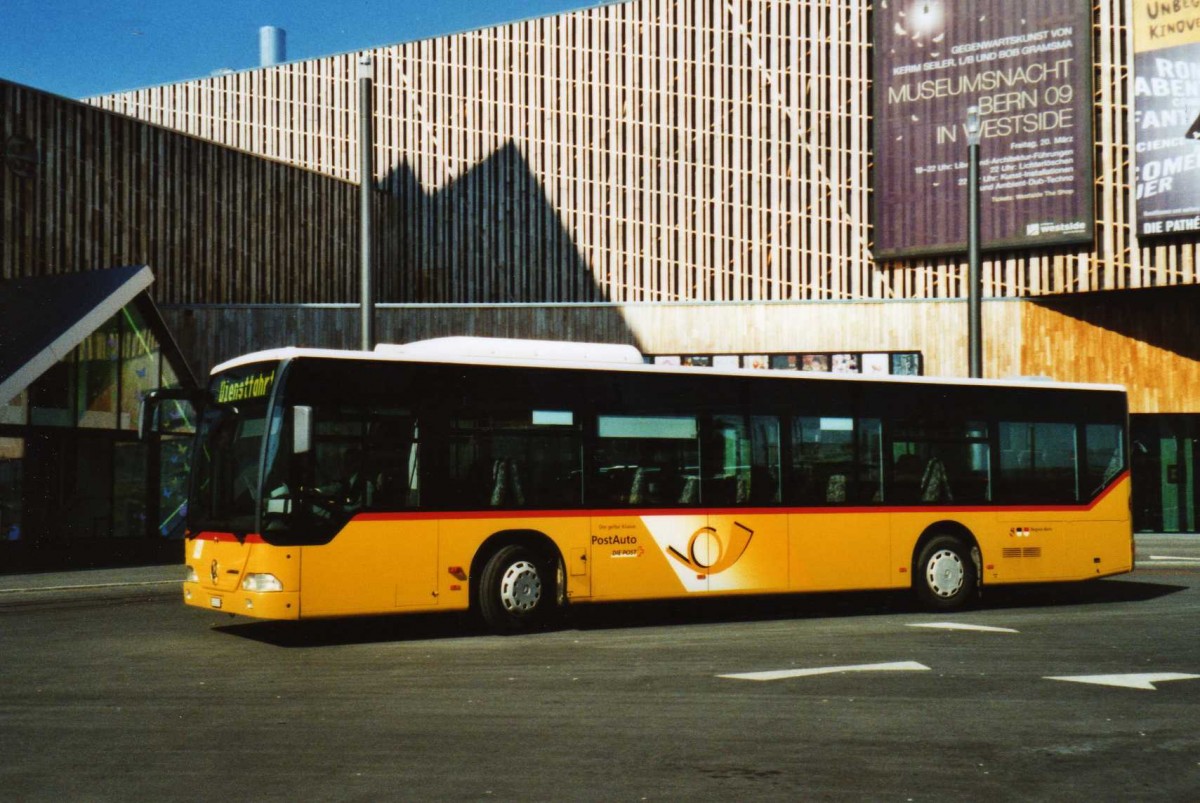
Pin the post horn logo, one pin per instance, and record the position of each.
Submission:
(710, 553)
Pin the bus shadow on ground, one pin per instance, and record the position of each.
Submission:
(854, 604)
(1090, 592)
(358, 630)
(625, 615)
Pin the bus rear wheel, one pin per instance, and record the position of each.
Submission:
(944, 576)
(516, 590)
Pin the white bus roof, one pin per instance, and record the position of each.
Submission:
(497, 351)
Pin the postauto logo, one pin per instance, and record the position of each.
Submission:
(711, 552)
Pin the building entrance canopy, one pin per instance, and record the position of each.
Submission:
(42, 319)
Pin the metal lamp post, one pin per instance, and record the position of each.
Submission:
(974, 257)
(366, 175)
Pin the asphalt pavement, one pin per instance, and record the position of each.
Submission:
(112, 689)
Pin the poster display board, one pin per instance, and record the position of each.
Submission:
(1027, 65)
(882, 363)
(1166, 64)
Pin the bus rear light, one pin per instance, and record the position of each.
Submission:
(190, 575)
(261, 582)
(457, 573)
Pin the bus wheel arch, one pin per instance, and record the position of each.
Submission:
(947, 566)
(517, 581)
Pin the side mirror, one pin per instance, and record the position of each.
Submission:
(187, 402)
(302, 429)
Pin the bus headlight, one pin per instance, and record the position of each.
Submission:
(261, 582)
(190, 574)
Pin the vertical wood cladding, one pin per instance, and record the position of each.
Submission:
(217, 225)
(1147, 340)
(654, 150)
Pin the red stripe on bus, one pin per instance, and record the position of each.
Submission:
(210, 536)
(252, 538)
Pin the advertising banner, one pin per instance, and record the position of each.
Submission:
(1166, 40)
(1027, 65)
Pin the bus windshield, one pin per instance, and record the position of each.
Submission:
(225, 473)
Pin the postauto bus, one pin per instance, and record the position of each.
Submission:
(513, 478)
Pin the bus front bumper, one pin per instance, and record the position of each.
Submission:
(256, 604)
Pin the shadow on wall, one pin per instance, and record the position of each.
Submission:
(489, 245)
(1161, 317)
(491, 235)
(1147, 340)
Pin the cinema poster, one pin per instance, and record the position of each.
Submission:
(1027, 66)
(1166, 118)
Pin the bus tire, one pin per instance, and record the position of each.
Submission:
(944, 576)
(516, 590)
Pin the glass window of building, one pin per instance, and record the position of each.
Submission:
(15, 411)
(140, 358)
(52, 395)
(97, 361)
(12, 455)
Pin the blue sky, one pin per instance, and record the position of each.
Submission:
(79, 48)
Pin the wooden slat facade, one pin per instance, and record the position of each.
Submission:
(650, 151)
(216, 224)
(686, 177)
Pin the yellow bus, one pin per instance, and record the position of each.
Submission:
(513, 478)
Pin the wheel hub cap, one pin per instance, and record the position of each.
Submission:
(520, 587)
(945, 573)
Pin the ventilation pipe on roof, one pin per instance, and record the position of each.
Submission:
(272, 46)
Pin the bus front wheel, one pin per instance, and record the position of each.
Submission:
(944, 576)
(516, 589)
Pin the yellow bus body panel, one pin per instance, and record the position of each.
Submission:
(390, 563)
(833, 551)
(220, 563)
(372, 567)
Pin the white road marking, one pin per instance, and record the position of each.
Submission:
(1169, 560)
(962, 626)
(782, 674)
(1144, 681)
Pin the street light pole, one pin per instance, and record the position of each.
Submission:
(974, 257)
(366, 147)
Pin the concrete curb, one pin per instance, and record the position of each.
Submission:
(106, 582)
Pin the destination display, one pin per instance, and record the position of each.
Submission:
(1026, 64)
(1167, 116)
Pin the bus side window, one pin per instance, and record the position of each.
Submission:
(1105, 455)
(1038, 462)
(645, 460)
(939, 462)
(822, 459)
(516, 459)
(393, 466)
(741, 461)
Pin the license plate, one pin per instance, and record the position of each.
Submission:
(215, 601)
